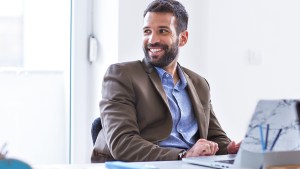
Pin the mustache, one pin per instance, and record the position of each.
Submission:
(157, 44)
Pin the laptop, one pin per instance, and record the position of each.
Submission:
(274, 126)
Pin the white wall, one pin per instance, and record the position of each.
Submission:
(253, 54)
(98, 18)
(247, 50)
(81, 106)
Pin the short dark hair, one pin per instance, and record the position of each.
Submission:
(170, 6)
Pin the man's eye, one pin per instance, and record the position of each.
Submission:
(147, 31)
(163, 31)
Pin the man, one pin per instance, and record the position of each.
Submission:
(155, 109)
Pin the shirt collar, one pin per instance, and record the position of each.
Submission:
(182, 79)
(160, 72)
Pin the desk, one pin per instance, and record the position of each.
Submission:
(159, 164)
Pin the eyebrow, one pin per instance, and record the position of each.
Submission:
(146, 27)
(166, 27)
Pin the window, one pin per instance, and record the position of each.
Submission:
(11, 33)
(35, 79)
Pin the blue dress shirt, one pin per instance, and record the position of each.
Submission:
(183, 134)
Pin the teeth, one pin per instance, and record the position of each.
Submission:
(155, 50)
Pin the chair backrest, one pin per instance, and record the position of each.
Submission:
(96, 127)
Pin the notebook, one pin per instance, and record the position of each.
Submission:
(274, 126)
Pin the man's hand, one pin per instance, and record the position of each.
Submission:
(233, 148)
(202, 148)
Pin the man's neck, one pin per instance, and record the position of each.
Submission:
(172, 69)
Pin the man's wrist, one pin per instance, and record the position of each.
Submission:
(181, 155)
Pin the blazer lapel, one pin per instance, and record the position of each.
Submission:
(198, 108)
(156, 81)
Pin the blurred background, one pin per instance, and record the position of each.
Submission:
(50, 81)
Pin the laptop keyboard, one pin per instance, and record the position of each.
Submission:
(226, 161)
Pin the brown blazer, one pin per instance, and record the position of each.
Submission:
(135, 114)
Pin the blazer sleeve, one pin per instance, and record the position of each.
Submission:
(215, 131)
(210, 128)
(120, 124)
(217, 134)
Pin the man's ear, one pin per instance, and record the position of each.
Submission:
(183, 38)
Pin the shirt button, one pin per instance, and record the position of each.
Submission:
(167, 75)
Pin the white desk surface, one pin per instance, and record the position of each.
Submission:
(158, 164)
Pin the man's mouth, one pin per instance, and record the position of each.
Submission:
(156, 50)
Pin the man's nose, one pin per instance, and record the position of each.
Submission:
(153, 38)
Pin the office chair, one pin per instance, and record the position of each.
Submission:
(96, 127)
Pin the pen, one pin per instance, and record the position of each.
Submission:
(267, 136)
(262, 138)
(275, 140)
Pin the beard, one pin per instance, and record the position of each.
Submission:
(169, 54)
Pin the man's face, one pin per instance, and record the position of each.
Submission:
(160, 41)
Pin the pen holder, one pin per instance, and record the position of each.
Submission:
(258, 160)
(281, 158)
(13, 164)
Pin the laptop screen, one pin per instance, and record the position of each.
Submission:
(274, 127)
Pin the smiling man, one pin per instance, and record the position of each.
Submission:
(155, 109)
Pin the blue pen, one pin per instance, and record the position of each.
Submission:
(262, 138)
(275, 140)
